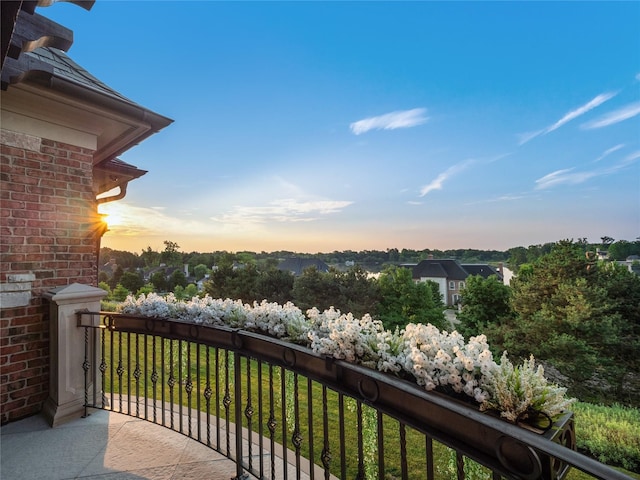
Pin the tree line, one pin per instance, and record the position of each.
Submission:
(392, 297)
(372, 260)
(578, 315)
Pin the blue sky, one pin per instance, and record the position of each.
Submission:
(321, 126)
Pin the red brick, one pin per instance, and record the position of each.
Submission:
(39, 397)
(14, 404)
(25, 197)
(53, 200)
(39, 190)
(22, 375)
(35, 328)
(25, 179)
(26, 214)
(14, 204)
(42, 379)
(28, 162)
(9, 349)
(23, 266)
(26, 249)
(13, 367)
(39, 157)
(42, 361)
(41, 242)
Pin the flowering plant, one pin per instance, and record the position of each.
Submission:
(522, 392)
(437, 360)
(443, 359)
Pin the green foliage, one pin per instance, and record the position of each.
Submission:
(232, 282)
(123, 258)
(115, 278)
(132, 281)
(609, 434)
(105, 286)
(178, 278)
(146, 289)
(472, 470)
(190, 291)
(350, 291)
(120, 293)
(622, 249)
(200, 271)
(315, 289)
(578, 315)
(358, 292)
(159, 281)
(178, 291)
(150, 258)
(108, 305)
(274, 285)
(484, 302)
(404, 301)
(171, 255)
(103, 277)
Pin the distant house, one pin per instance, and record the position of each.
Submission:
(632, 263)
(450, 275)
(297, 265)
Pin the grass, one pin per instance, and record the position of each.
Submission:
(609, 434)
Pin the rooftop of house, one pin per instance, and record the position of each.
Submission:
(452, 269)
(298, 265)
(483, 270)
(440, 268)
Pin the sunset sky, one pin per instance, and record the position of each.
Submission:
(321, 126)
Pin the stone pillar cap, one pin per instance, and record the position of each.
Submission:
(75, 291)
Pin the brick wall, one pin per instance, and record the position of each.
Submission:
(49, 229)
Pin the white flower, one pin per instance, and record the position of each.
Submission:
(518, 391)
(434, 358)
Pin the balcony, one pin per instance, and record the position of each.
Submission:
(221, 402)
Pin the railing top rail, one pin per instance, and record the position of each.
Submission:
(427, 411)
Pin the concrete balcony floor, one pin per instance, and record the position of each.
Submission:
(105, 446)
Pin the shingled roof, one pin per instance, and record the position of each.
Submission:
(484, 270)
(297, 265)
(443, 268)
(54, 69)
(452, 270)
(33, 60)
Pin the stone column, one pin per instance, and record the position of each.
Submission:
(67, 350)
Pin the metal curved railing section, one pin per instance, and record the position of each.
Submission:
(279, 410)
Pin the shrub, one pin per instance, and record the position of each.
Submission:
(611, 435)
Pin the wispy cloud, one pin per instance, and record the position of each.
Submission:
(125, 220)
(590, 105)
(629, 159)
(283, 210)
(390, 121)
(570, 177)
(509, 197)
(609, 151)
(563, 177)
(437, 183)
(624, 113)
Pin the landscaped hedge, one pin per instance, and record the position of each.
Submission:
(609, 434)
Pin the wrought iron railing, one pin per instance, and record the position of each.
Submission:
(280, 411)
